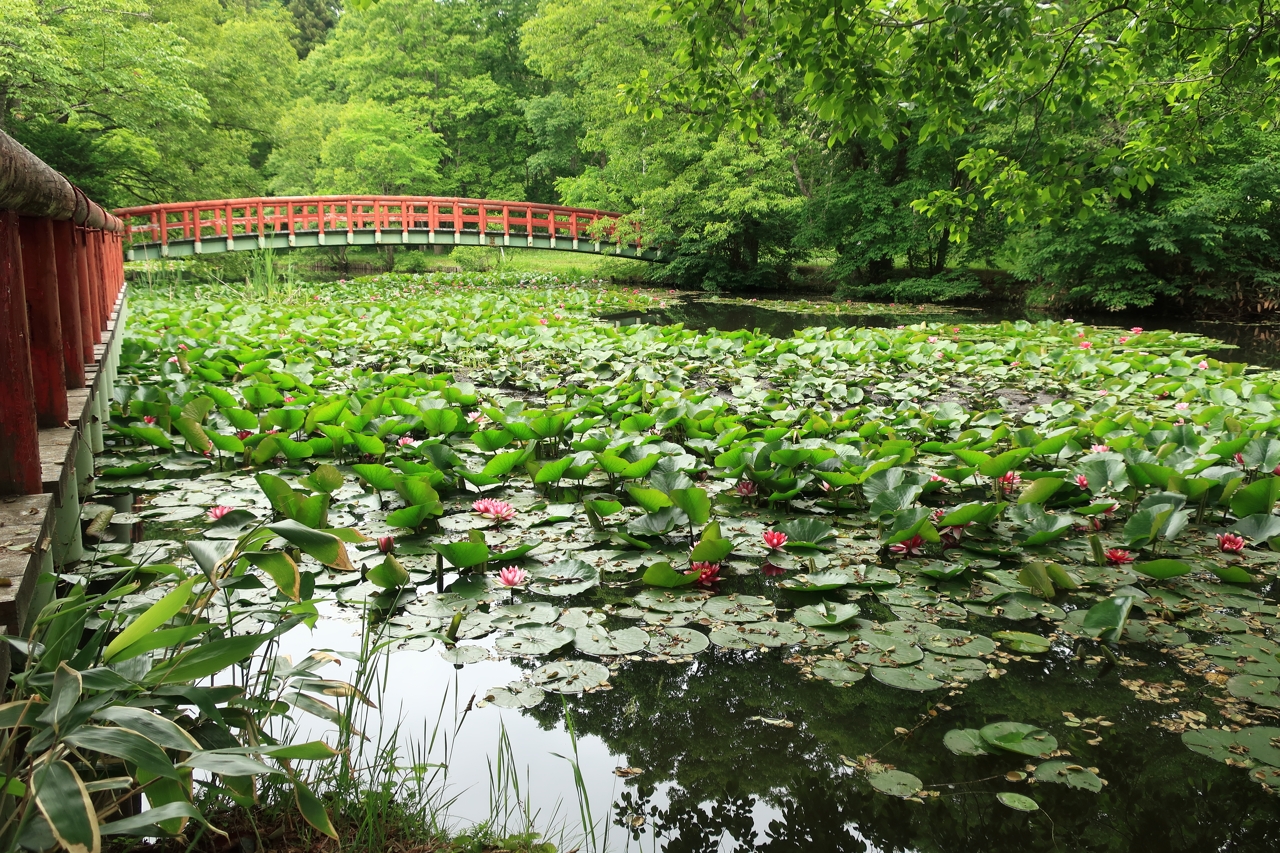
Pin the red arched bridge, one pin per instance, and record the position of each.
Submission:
(190, 228)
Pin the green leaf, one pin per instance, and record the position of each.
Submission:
(205, 660)
(463, 555)
(124, 743)
(1259, 496)
(389, 574)
(1041, 490)
(650, 500)
(150, 619)
(552, 472)
(148, 823)
(1162, 569)
(281, 569)
(159, 730)
(661, 574)
(312, 809)
(325, 547)
(195, 435)
(64, 802)
(711, 551)
(1004, 463)
(1105, 620)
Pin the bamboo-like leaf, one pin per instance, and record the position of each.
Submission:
(64, 802)
(151, 619)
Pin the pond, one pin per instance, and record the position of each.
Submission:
(1003, 616)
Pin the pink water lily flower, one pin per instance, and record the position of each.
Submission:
(745, 488)
(1136, 330)
(218, 512)
(243, 434)
(386, 544)
(708, 573)
(1124, 339)
(1099, 448)
(1230, 543)
(933, 339)
(407, 441)
(775, 539)
(148, 419)
(1203, 365)
(1239, 458)
(173, 359)
(495, 510)
(1119, 556)
(512, 576)
(1182, 406)
(913, 546)
(1082, 481)
(1008, 482)
(1086, 345)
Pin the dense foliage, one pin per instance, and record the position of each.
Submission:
(896, 145)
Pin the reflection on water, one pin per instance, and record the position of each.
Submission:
(1255, 343)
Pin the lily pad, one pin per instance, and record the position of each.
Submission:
(535, 640)
(906, 678)
(818, 581)
(965, 742)
(750, 635)
(464, 654)
(596, 641)
(516, 695)
(827, 614)
(955, 642)
(839, 671)
(674, 642)
(895, 783)
(1020, 641)
(1072, 775)
(1256, 689)
(570, 676)
(1020, 802)
(510, 615)
(738, 608)
(1019, 737)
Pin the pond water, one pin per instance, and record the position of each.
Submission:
(739, 748)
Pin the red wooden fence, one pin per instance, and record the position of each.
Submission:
(61, 269)
(199, 221)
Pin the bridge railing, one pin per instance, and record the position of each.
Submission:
(61, 271)
(201, 221)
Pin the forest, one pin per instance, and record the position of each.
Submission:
(879, 167)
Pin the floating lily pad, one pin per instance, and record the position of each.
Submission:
(955, 642)
(595, 640)
(1020, 641)
(839, 671)
(1072, 775)
(953, 669)
(828, 614)
(581, 617)
(570, 676)
(895, 783)
(965, 742)
(906, 678)
(464, 654)
(675, 642)
(1256, 689)
(1021, 802)
(1019, 737)
(516, 695)
(750, 635)
(510, 615)
(818, 581)
(535, 640)
(882, 650)
(667, 600)
(738, 608)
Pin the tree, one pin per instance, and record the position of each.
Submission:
(313, 19)
(1159, 81)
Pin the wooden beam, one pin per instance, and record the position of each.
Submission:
(64, 240)
(19, 438)
(44, 320)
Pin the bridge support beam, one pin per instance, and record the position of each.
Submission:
(64, 240)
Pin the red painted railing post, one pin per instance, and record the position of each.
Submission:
(64, 238)
(19, 439)
(88, 317)
(44, 320)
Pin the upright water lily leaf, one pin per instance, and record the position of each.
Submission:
(325, 547)
(1259, 496)
(662, 575)
(1105, 620)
